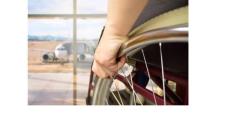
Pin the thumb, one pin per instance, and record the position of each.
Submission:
(121, 62)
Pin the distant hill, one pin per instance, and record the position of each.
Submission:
(47, 38)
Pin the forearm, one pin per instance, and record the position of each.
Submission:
(122, 14)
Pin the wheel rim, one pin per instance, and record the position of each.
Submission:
(170, 34)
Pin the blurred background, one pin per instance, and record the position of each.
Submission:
(61, 42)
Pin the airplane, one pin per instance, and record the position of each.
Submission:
(62, 53)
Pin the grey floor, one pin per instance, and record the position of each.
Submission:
(57, 88)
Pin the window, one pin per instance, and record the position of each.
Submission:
(50, 24)
(50, 6)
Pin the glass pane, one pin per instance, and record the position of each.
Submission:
(49, 62)
(50, 6)
(65, 6)
(56, 29)
(88, 33)
(89, 29)
(92, 7)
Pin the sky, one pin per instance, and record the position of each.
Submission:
(86, 28)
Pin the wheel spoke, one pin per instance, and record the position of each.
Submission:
(131, 85)
(135, 91)
(115, 98)
(149, 75)
(162, 72)
(117, 89)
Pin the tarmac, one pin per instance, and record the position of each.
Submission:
(58, 88)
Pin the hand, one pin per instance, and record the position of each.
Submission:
(105, 59)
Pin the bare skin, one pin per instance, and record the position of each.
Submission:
(121, 16)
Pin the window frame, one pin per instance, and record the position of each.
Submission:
(74, 16)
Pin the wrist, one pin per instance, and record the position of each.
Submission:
(111, 32)
(115, 29)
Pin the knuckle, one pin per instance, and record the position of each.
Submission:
(102, 61)
(99, 73)
(94, 69)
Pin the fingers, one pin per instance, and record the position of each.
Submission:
(97, 69)
(115, 67)
(104, 60)
(108, 70)
(105, 63)
(121, 62)
(101, 71)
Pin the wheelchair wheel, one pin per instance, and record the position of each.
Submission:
(156, 71)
